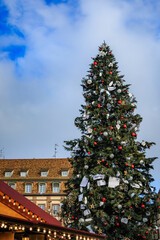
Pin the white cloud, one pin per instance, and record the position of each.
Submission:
(41, 92)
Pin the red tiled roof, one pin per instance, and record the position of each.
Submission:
(10, 192)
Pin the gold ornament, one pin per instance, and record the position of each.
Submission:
(99, 231)
(125, 172)
(129, 217)
(122, 187)
(119, 137)
(99, 161)
(91, 206)
(123, 102)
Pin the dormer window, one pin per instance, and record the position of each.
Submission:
(64, 173)
(23, 173)
(8, 173)
(44, 173)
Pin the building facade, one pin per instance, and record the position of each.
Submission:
(40, 180)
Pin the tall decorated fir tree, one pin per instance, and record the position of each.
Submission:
(110, 191)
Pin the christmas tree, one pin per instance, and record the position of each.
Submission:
(110, 192)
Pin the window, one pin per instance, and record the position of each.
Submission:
(42, 188)
(44, 173)
(28, 188)
(64, 173)
(12, 185)
(42, 206)
(8, 173)
(56, 187)
(23, 173)
(55, 210)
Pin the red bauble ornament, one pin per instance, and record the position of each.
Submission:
(121, 117)
(148, 146)
(138, 234)
(116, 217)
(146, 232)
(102, 65)
(103, 160)
(132, 109)
(89, 153)
(91, 73)
(124, 125)
(144, 237)
(110, 53)
(86, 84)
(72, 217)
(110, 72)
(91, 193)
(126, 90)
(105, 224)
(113, 96)
(95, 143)
(142, 206)
(156, 231)
(95, 63)
(102, 81)
(117, 224)
(111, 128)
(98, 105)
(106, 164)
(126, 164)
(130, 207)
(132, 166)
(111, 139)
(103, 199)
(120, 147)
(119, 102)
(89, 106)
(94, 128)
(101, 133)
(76, 125)
(133, 134)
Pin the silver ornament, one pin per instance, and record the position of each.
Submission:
(119, 91)
(86, 166)
(110, 65)
(111, 155)
(141, 162)
(118, 126)
(100, 74)
(119, 206)
(102, 54)
(118, 83)
(145, 219)
(89, 81)
(143, 143)
(130, 94)
(111, 83)
(105, 134)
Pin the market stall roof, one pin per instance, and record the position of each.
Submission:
(16, 210)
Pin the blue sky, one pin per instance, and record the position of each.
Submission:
(46, 48)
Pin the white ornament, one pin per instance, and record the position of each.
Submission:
(84, 182)
(111, 83)
(101, 183)
(78, 175)
(81, 220)
(118, 174)
(131, 178)
(132, 195)
(119, 91)
(85, 200)
(111, 155)
(98, 176)
(123, 142)
(118, 126)
(89, 81)
(100, 74)
(130, 94)
(141, 162)
(136, 129)
(105, 134)
(93, 102)
(124, 220)
(86, 212)
(101, 204)
(118, 83)
(86, 166)
(89, 130)
(107, 115)
(110, 65)
(118, 122)
(143, 143)
(111, 88)
(119, 206)
(88, 185)
(145, 219)
(148, 213)
(113, 182)
(82, 206)
(102, 54)
(80, 197)
(88, 219)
